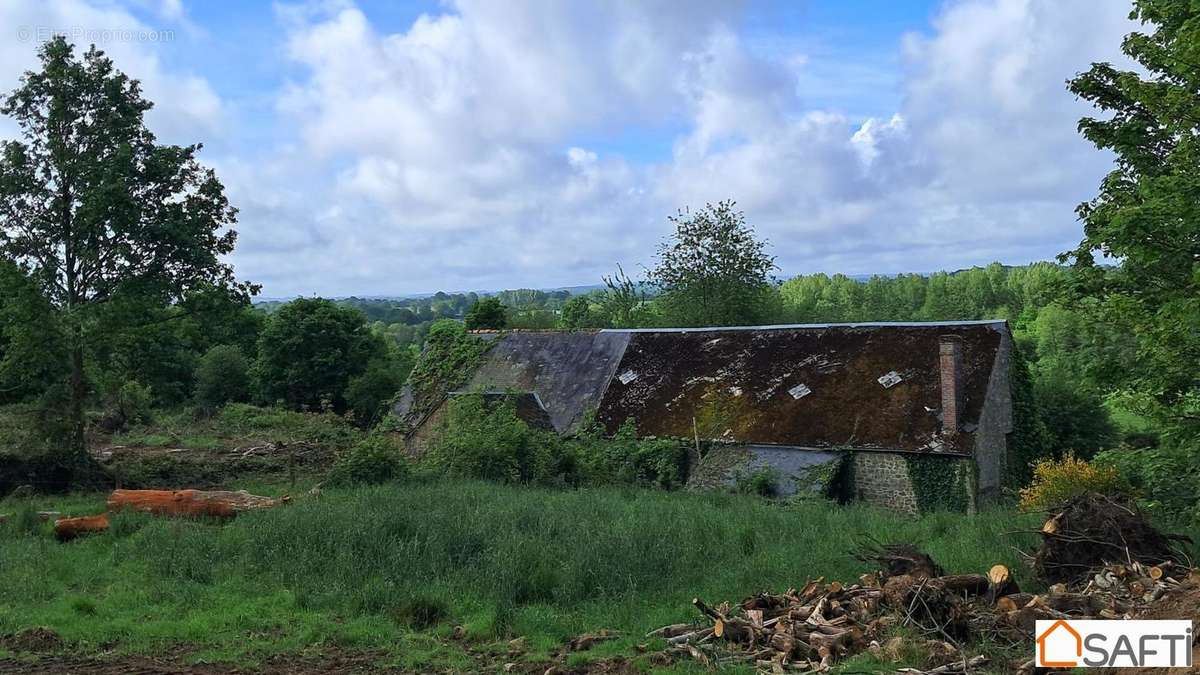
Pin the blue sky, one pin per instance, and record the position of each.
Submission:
(390, 148)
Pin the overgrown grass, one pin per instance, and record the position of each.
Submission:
(395, 567)
(239, 424)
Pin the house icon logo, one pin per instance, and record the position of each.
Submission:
(1059, 646)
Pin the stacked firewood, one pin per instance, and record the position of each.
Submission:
(808, 629)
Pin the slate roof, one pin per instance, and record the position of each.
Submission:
(811, 385)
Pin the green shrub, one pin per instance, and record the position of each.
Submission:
(223, 375)
(368, 394)
(1166, 479)
(763, 481)
(133, 402)
(482, 439)
(325, 428)
(372, 461)
(626, 459)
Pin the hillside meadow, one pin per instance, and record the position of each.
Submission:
(394, 570)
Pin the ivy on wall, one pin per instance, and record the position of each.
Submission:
(939, 483)
(1029, 438)
(451, 356)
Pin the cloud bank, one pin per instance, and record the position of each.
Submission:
(497, 145)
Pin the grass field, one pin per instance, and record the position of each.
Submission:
(393, 569)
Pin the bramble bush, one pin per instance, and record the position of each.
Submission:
(1057, 480)
(371, 461)
(482, 439)
(763, 481)
(487, 440)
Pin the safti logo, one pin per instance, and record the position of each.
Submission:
(1114, 644)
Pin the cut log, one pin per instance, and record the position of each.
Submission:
(1013, 601)
(966, 584)
(66, 529)
(215, 504)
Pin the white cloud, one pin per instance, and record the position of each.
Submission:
(185, 103)
(469, 150)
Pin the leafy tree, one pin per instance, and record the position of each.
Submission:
(623, 300)
(367, 394)
(32, 351)
(223, 375)
(713, 271)
(1074, 414)
(487, 313)
(576, 313)
(93, 208)
(1147, 214)
(310, 350)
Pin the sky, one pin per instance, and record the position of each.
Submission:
(388, 148)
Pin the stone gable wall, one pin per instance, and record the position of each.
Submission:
(881, 479)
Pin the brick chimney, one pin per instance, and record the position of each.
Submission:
(950, 368)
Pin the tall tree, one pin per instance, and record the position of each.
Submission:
(487, 313)
(93, 208)
(713, 271)
(310, 350)
(1147, 213)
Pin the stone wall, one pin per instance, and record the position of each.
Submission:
(881, 479)
(418, 442)
(996, 422)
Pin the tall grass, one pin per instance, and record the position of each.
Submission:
(364, 566)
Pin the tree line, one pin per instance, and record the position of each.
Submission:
(115, 295)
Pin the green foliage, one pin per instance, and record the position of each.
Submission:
(277, 424)
(95, 210)
(763, 481)
(309, 351)
(825, 481)
(1166, 479)
(940, 483)
(548, 564)
(482, 438)
(486, 313)
(367, 395)
(371, 461)
(1146, 214)
(626, 459)
(160, 472)
(222, 376)
(485, 439)
(32, 345)
(1029, 440)
(130, 403)
(1074, 414)
(623, 302)
(713, 271)
(579, 313)
(450, 357)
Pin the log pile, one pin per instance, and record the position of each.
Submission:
(808, 629)
(187, 503)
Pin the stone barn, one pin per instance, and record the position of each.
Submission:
(908, 412)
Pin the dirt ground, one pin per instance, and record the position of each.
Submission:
(41, 650)
(1181, 604)
(327, 664)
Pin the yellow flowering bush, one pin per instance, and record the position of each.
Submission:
(1057, 480)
